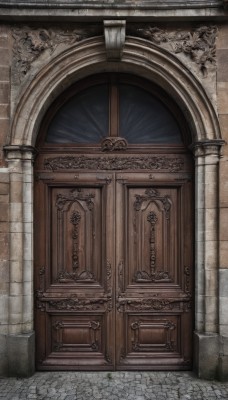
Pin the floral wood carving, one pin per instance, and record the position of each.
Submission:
(113, 144)
(157, 304)
(114, 163)
(75, 220)
(199, 44)
(152, 194)
(30, 43)
(75, 304)
(75, 194)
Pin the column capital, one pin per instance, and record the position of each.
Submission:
(19, 152)
(204, 148)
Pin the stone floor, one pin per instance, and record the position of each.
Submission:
(112, 386)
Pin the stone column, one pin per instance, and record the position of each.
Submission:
(206, 337)
(21, 335)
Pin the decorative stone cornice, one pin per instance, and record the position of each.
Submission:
(207, 147)
(115, 33)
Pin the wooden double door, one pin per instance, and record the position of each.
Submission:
(113, 262)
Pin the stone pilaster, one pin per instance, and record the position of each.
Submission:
(206, 338)
(20, 334)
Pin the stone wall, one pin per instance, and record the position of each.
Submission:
(16, 176)
(222, 92)
(4, 193)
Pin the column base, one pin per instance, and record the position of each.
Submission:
(206, 355)
(18, 357)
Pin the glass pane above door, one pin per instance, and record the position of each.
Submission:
(144, 119)
(82, 119)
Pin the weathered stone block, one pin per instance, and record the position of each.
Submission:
(3, 355)
(223, 368)
(4, 246)
(222, 97)
(206, 353)
(223, 254)
(223, 231)
(223, 282)
(21, 351)
(4, 212)
(223, 182)
(222, 42)
(222, 61)
(4, 92)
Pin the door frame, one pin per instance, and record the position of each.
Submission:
(180, 83)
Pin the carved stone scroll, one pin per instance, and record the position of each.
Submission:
(114, 163)
(114, 31)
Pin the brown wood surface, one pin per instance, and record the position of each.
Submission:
(113, 257)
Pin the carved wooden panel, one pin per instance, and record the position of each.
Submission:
(152, 219)
(154, 295)
(153, 334)
(76, 333)
(76, 234)
(113, 270)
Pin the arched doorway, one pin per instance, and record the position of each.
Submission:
(114, 229)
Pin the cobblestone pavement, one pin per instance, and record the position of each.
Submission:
(112, 386)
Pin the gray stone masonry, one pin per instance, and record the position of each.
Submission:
(112, 386)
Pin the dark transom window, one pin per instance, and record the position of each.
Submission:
(115, 107)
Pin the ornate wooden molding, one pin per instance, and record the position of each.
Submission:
(114, 32)
(114, 163)
(154, 195)
(157, 304)
(75, 194)
(72, 304)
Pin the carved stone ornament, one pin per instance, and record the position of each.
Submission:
(199, 44)
(114, 163)
(114, 32)
(30, 43)
(113, 144)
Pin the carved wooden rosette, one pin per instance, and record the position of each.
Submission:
(154, 274)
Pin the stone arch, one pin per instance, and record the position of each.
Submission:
(140, 57)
